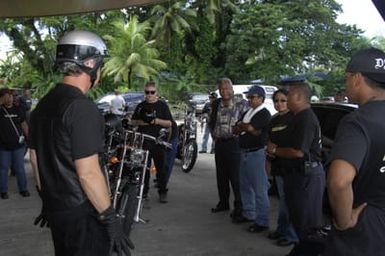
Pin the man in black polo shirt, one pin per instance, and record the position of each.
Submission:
(304, 177)
(356, 173)
(152, 115)
(66, 137)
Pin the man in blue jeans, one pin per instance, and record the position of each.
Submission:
(253, 131)
(13, 130)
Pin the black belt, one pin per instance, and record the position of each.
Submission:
(247, 150)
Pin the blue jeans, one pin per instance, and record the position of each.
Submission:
(285, 227)
(14, 158)
(254, 185)
(205, 139)
(170, 157)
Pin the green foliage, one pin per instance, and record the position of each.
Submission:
(131, 54)
(199, 40)
(170, 19)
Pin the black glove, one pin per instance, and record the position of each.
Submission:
(119, 242)
(42, 218)
(148, 118)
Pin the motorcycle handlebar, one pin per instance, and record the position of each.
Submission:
(157, 140)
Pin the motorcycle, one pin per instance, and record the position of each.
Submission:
(125, 167)
(187, 150)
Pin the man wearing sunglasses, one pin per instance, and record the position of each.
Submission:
(152, 115)
(252, 129)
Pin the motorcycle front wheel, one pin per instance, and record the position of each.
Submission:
(189, 156)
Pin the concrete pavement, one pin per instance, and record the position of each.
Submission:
(184, 226)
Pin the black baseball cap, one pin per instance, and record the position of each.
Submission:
(370, 63)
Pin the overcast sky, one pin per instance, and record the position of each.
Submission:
(363, 13)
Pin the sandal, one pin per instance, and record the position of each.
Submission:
(255, 228)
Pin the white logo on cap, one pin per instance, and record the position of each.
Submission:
(380, 63)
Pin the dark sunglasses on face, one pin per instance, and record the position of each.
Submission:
(251, 96)
(283, 101)
(149, 92)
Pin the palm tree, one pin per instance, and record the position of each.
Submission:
(215, 7)
(131, 53)
(170, 19)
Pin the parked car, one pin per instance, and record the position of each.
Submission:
(198, 100)
(132, 99)
(329, 115)
(239, 90)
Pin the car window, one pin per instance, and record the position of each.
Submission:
(329, 119)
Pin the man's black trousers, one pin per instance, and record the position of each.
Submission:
(227, 161)
(77, 232)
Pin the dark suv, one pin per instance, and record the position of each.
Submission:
(329, 115)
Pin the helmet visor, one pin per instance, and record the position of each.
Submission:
(77, 52)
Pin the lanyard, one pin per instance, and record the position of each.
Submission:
(10, 119)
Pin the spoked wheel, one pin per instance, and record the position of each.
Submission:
(126, 206)
(189, 156)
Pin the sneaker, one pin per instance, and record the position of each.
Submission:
(25, 193)
(202, 152)
(4, 195)
(163, 198)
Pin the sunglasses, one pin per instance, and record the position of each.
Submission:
(276, 101)
(252, 96)
(149, 92)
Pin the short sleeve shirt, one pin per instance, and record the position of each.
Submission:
(259, 121)
(305, 135)
(227, 117)
(9, 135)
(158, 109)
(360, 142)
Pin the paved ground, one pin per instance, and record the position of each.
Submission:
(184, 226)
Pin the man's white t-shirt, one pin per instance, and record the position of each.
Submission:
(117, 105)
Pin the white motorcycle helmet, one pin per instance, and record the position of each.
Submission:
(78, 46)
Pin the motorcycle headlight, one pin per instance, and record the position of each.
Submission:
(137, 156)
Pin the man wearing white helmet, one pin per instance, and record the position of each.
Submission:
(66, 137)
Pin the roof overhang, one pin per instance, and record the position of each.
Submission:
(380, 5)
(37, 8)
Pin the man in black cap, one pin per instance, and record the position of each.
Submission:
(304, 177)
(252, 129)
(356, 174)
